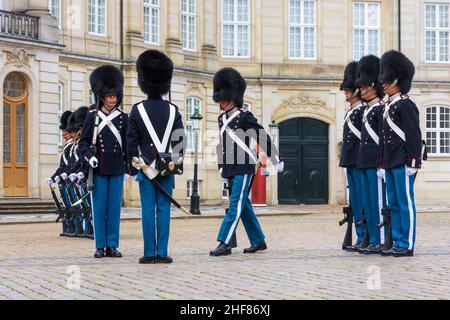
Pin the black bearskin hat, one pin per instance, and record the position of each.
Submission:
(350, 74)
(395, 65)
(229, 86)
(368, 71)
(64, 118)
(105, 80)
(70, 123)
(79, 116)
(155, 70)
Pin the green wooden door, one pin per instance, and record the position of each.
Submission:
(304, 149)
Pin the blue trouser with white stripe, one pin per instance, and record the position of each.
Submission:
(373, 192)
(400, 190)
(356, 199)
(154, 204)
(240, 208)
(106, 203)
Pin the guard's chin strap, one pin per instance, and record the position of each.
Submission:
(368, 89)
(392, 85)
(353, 95)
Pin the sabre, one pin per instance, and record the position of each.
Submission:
(80, 201)
(152, 173)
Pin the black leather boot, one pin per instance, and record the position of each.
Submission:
(99, 253)
(221, 250)
(113, 253)
(165, 259)
(262, 246)
(147, 260)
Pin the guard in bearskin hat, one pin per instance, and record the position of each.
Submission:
(64, 159)
(103, 146)
(155, 135)
(350, 148)
(374, 188)
(237, 162)
(401, 150)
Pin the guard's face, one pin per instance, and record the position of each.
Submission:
(110, 100)
(367, 93)
(65, 135)
(226, 105)
(348, 94)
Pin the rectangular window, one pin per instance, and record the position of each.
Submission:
(55, 10)
(438, 130)
(191, 104)
(188, 24)
(97, 17)
(302, 29)
(366, 29)
(437, 32)
(236, 28)
(151, 21)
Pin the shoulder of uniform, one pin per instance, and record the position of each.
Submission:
(93, 110)
(176, 107)
(219, 118)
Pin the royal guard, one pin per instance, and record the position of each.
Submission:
(237, 162)
(103, 147)
(401, 150)
(156, 136)
(374, 189)
(350, 148)
(64, 159)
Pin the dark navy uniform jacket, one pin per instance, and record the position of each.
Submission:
(110, 155)
(64, 159)
(231, 158)
(368, 150)
(394, 151)
(158, 112)
(350, 141)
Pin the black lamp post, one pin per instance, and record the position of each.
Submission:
(195, 198)
(274, 126)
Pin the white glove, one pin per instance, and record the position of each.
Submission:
(49, 181)
(381, 173)
(411, 171)
(73, 177)
(57, 179)
(280, 167)
(64, 176)
(80, 175)
(93, 162)
(220, 171)
(125, 177)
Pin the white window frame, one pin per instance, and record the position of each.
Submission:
(302, 27)
(189, 124)
(60, 109)
(96, 32)
(53, 6)
(235, 25)
(437, 29)
(186, 14)
(366, 28)
(438, 130)
(148, 4)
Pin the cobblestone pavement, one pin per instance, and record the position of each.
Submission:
(304, 261)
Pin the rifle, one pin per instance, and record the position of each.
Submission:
(70, 227)
(388, 242)
(75, 213)
(233, 240)
(365, 241)
(85, 212)
(59, 211)
(348, 218)
(90, 180)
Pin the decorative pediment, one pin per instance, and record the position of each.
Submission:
(302, 105)
(18, 57)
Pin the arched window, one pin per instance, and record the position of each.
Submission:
(191, 104)
(438, 129)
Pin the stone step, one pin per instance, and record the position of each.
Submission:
(26, 205)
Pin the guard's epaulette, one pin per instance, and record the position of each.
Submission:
(404, 96)
(176, 107)
(93, 110)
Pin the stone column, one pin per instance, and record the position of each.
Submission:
(209, 46)
(48, 29)
(173, 42)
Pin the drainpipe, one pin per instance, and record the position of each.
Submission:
(121, 37)
(399, 25)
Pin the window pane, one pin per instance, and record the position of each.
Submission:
(309, 16)
(443, 45)
(373, 15)
(445, 142)
(443, 16)
(294, 42)
(358, 14)
(431, 45)
(309, 42)
(228, 40)
(243, 11)
(228, 10)
(294, 11)
(430, 16)
(358, 43)
(372, 42)
(242, 41)
(20, 133)
(445, 118)
(6, 133)
(431, 142)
